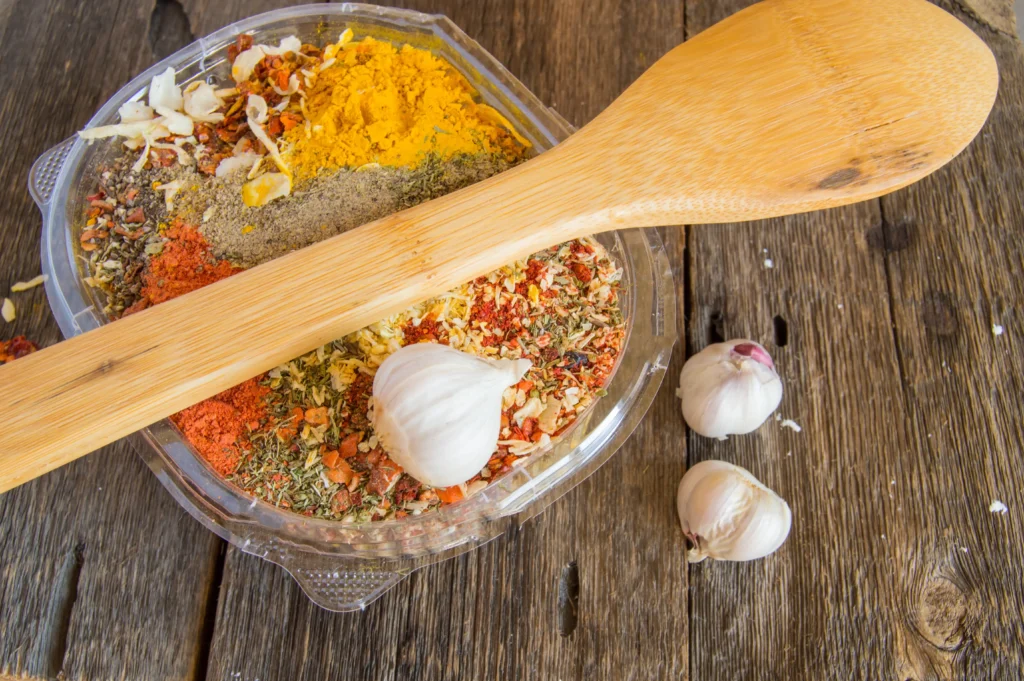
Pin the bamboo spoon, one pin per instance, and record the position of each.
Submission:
(785, 107)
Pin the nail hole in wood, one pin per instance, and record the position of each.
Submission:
(568, 599)
(716, 327)
(781, 331)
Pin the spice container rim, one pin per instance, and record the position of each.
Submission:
(313, 545)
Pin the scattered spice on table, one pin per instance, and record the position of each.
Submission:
(16, 348)
(309, 143)
(20, 286)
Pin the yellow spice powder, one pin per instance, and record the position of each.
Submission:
(379, 104)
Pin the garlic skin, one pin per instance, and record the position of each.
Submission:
(727, 514)
(729, 388)
(437, 411)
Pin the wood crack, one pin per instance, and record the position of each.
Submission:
(568, 599)
(890, 297)
(62, 606)
(169, 28)
(209, 615)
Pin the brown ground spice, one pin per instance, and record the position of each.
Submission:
(327, 205)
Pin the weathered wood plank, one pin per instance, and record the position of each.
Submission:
(494, 613)
(956, 267)
(913, 580)
(842, 386)
(891, 569)
(102, 575)
(206, 16)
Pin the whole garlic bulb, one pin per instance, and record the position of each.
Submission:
(727, 514)
(729, 388)
(437, 411)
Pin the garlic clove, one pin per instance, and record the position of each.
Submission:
(729, 388)
(728, 514)
(437, 411)
(163, 92)
(177, 123)
(266, 188)
(135, 112)
(200, 102)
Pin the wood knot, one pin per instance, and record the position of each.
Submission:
(892, 236)
(938, 314)
(942, 613)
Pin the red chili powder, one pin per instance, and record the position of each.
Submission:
(428, 330)
(184, 265)
(219, 427)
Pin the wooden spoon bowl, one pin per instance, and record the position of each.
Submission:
(785, 107)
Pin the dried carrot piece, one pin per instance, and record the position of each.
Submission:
(330, 458)
(317, 416)
(350, 445)
(449, 495)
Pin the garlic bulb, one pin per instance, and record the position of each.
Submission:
(729, 388)
(727, 514)
(437, 411)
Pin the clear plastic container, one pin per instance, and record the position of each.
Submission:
(346, 566)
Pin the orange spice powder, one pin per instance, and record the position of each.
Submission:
(218, 428)
(184, 265)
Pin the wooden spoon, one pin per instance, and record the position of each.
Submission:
(785, 107)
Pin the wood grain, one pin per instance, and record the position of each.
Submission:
(959, 274)
(895, 568)
(494, 613)
(102, 575)
(104, 586)
(806, 105)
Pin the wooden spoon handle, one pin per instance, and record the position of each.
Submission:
(788, 106)
(72, 398)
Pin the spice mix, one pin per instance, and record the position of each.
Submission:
(308, 143)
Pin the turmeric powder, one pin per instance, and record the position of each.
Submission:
(395, 107)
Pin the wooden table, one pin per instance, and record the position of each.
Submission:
(880, 317)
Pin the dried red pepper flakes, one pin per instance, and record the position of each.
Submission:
(582, 272)
(242, 43)
(16, 348)
(317, 416)
(428, 330)
(342, 501)
(384, 476)
(340, 473)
